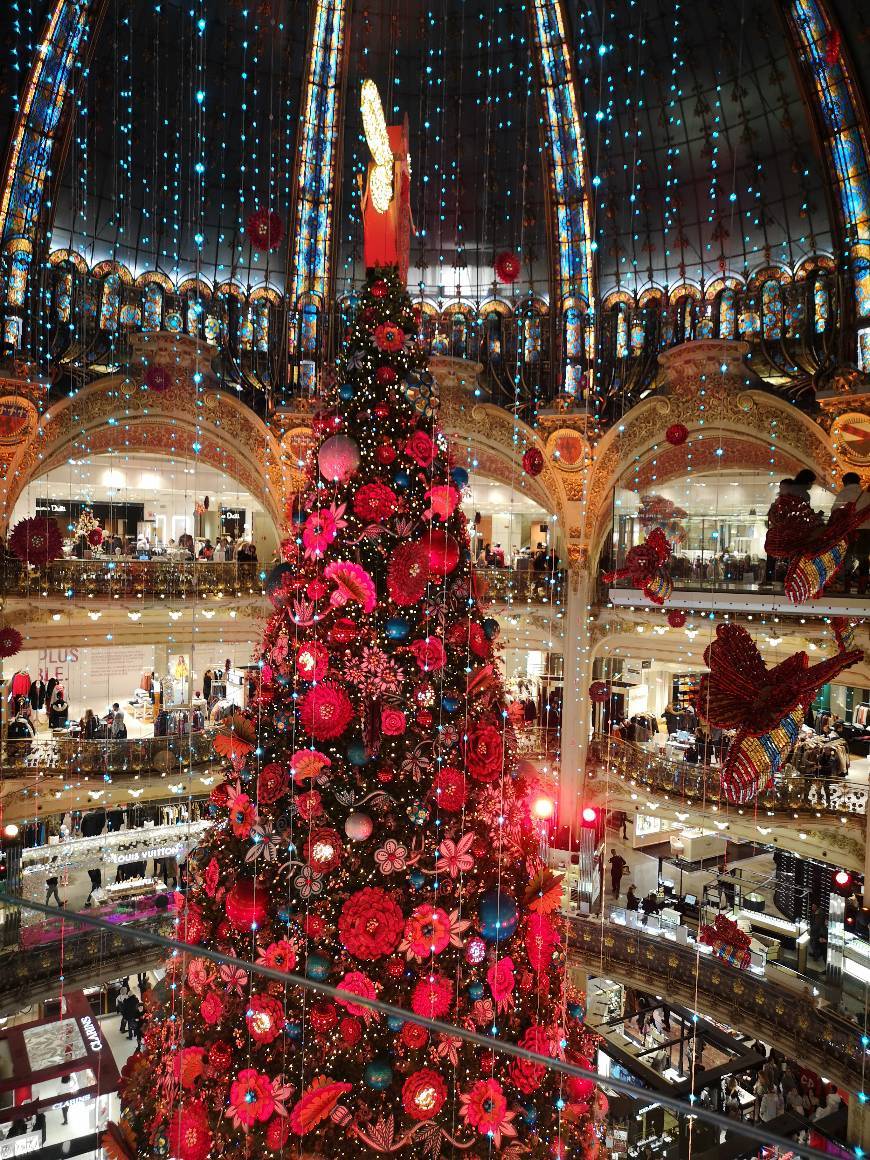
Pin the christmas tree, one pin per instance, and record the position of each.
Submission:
(372, 832)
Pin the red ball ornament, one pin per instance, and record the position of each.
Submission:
(323, 1016)
(677, 434)
(343, 631)
(507, 266)
(385, 376)
(265, 229)
(385, 453)
(533, 461)
(381, 411)
(599, 691)
(350, 1030)
(95, 537)
(10, 641)
(676, 618)
(246, 904)
(380, 289)
(158, 379)
(443, 553)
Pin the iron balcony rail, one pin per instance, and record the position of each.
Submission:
(702, 784)
(157, 579)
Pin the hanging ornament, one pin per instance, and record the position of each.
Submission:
(644, 566)
(358, 826)
(95, 537)
(766, 706)
(816, 550)
(533, 461)
(379, 289)
(36, 540)
(507, 266)
(338, 458)
(676, 618)
(677, 434)
(246, 904)
(158, 379)
(443, 553)
(265, 229)
(10, 641)
(599, 691)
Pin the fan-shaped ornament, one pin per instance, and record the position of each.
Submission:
(677, 434)
(265, 229)
(36, 540)
(10, 641)
(533, 461)
(158, 379)
(507, 266)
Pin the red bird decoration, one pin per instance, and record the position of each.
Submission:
(644, 566)
(815, 550)
(765, 706)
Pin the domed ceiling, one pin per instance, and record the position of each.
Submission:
(699, 148)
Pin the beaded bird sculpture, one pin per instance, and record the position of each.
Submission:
(765, 706)
(645, 567)
(815, 550)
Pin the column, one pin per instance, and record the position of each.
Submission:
(575, 698)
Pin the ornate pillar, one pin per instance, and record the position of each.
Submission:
(577, 662)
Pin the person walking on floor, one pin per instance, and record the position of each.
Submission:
(51, 889)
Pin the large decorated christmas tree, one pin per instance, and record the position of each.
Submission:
(372, 831)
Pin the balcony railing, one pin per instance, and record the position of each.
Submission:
(756, 1005)
(702, 784)
(66, 756)
(146, 580)
(517, 586)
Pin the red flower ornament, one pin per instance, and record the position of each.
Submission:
(371, 924)
(36, 540)
(265, 229)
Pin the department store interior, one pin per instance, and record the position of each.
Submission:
(637, 289)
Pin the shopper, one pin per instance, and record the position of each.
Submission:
(88, 726)
(618, 866)
(632, 902)
(119, 729)
(123, 995)
(51, 890)
(96, 876)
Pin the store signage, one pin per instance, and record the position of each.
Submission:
(91, 1034)
(20, 1145)
(51, 507)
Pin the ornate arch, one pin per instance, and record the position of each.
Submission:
(749, 421)
(108, 415)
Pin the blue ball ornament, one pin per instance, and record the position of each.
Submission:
(491, 628)
(398, 628)
(346, 392)
(294, 1030)
(459, 476)
(416, 878)
(395, 1022)
(449, 704)
(356, 753)
(401, 479)
(475, 990)
(530, 1114)
(498, 916)
(284, 915)
(378, 1075)
(577, 1011)
(317, 967)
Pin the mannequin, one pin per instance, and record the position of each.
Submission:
(37, 693)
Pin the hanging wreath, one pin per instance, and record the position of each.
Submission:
(676, 618)
(533, 461)
(10, 641)
(507, 266)
(36, 540)
(158, 379)
(95, 537)
(265, 229)
(599, 692)
(677, 434)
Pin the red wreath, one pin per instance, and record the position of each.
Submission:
(36, 540)
(265, 229)
(677, 434)
(158, 379)
(10, 641)
(676, 618)
(507, 266)
(95, 537)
